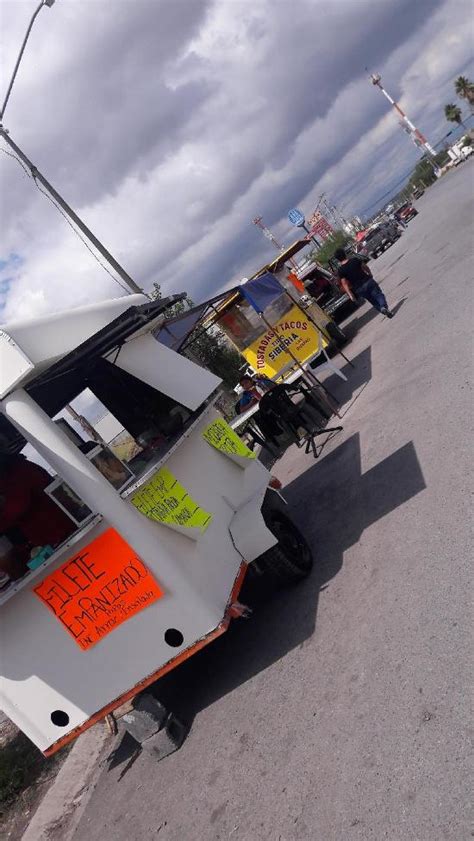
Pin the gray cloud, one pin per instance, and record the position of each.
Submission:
(169, 125)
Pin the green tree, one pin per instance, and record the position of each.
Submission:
(178, 308)
(209, 348)
(423, 175)
(453, 114)
(465, 89)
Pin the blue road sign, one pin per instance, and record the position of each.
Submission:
(296, 217)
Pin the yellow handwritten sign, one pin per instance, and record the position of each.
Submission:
(97, 589)
(220, 435)
(165, 500)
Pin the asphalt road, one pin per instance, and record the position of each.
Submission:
(340, 710)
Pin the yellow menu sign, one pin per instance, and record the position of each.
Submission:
(220, 435)
(165, 500)
(267, 354)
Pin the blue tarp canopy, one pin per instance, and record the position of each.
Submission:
(262, 291)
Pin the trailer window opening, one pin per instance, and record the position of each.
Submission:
(34, 522)
(39, 511)
(149, 418)
(243, 325)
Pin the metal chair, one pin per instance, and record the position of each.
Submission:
(328, 365)
(278, 405)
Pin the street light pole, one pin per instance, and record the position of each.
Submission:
(37, 175)
(48, 3)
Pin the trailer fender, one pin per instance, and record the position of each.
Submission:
(248, 529)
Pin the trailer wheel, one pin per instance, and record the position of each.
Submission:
(291, 559)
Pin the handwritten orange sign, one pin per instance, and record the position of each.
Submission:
(97, 589)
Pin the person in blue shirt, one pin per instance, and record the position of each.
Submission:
(253, 389)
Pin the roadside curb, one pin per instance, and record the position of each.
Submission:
(60, 810)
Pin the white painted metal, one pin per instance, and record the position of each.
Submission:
(14, 364)
(246, 528)
(46, 339)
(167, 371)
(108, 427)
(42, 668)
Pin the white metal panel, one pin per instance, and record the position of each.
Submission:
(42, 667)
(167, 371)
(250, 539)
(108, 427)
(50, 337)
(14, 364)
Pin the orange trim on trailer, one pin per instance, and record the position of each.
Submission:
(163, 670)
(237, 584)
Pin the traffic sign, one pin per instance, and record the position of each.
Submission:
(296, 217)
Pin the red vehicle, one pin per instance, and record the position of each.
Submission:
(406, 212)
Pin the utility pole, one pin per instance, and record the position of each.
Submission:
(418, 138)
(37, 176)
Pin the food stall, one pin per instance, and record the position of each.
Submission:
(145, 562)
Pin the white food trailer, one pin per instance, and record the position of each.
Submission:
(152, 568)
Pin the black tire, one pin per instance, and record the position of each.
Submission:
(291, 560)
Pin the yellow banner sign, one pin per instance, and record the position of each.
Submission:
(219, 435)
(294, 331)
(165, 500)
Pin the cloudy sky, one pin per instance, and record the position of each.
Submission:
(169, 124)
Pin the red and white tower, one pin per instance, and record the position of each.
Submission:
(416, 135)
(258, 221)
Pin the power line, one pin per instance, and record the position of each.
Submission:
(64, 215)
(11, 155)
(83, 239)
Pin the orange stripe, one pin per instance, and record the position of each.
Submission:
(163, 670)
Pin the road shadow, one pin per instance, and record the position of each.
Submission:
(357, 376)
(333, 502)
(352, 327)
(398, 305)
(124, 754)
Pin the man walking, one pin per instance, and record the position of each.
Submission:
(358, 282)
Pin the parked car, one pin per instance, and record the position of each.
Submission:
(406, 212)
(378, 239)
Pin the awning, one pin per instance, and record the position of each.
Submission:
(62, 381)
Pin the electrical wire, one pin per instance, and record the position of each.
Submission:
(80, 236)
(11, 155)
(65, 216)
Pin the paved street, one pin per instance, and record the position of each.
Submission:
(339, 711)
